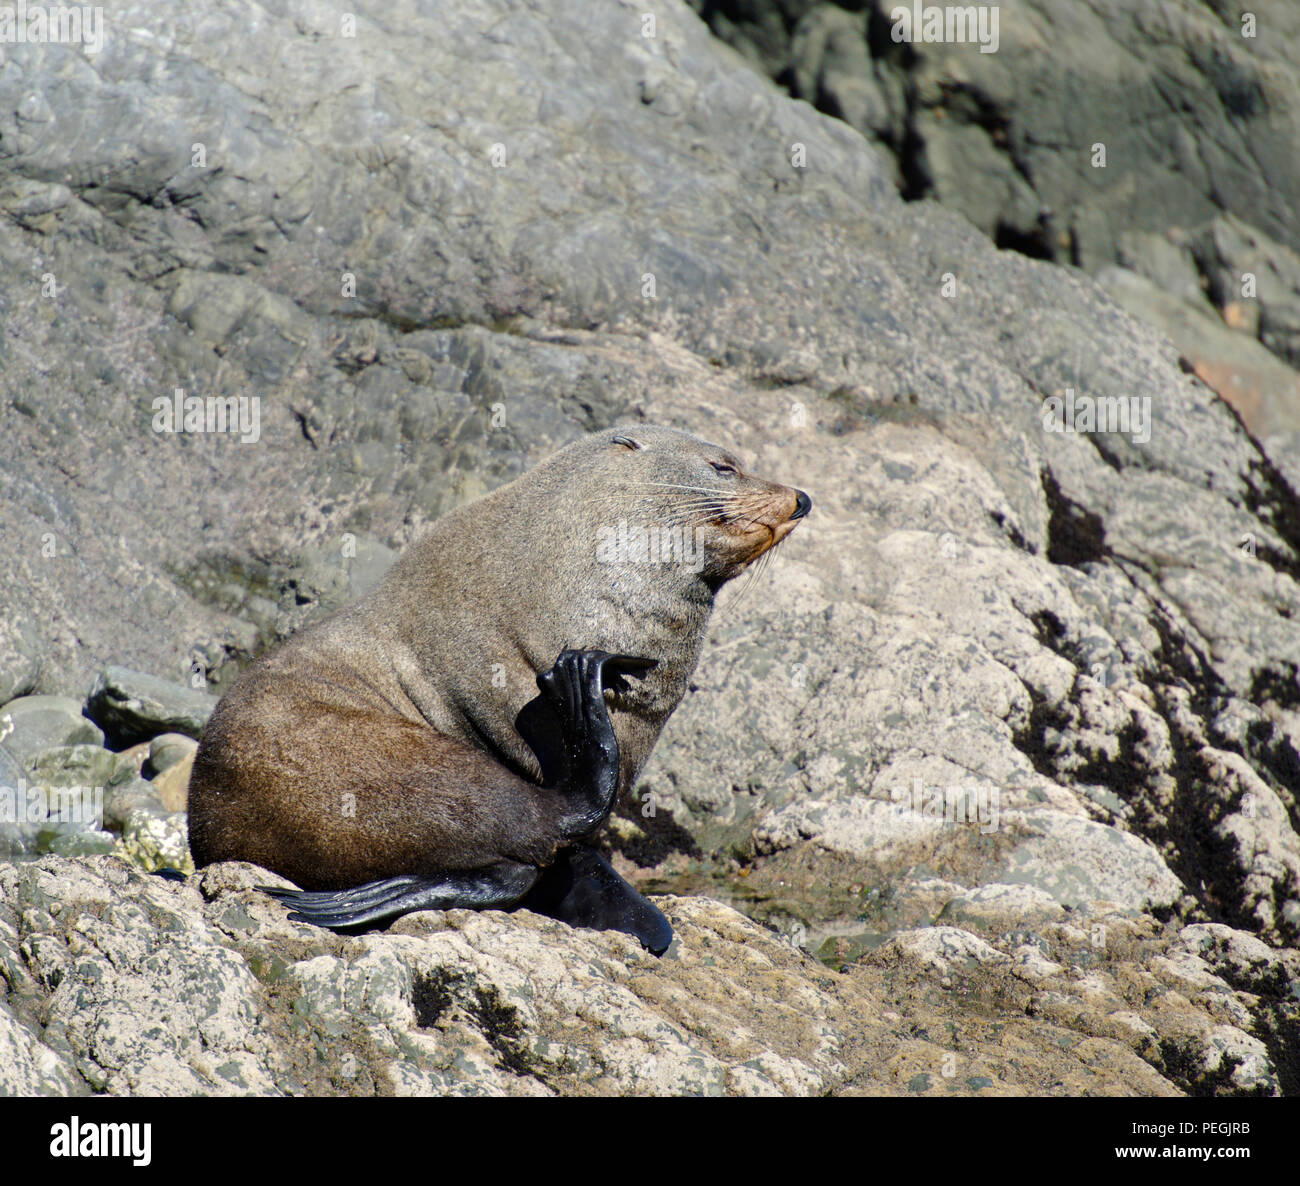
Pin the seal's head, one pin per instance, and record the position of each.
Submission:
(696, 498)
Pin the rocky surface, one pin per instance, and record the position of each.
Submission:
(62, 789)
(127, 984)
(1006, 736)
(1196, 104)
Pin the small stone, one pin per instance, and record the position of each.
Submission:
(83, 844)
(73, 765)
(153, 840)
(167, 749)
(132, 759)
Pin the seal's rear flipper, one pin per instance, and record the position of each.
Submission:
(378, 901)
(582, 889)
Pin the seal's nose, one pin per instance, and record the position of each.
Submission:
(802, 505)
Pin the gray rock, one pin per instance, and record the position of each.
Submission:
(1004, 905)
(941, 949)
(83, 844)
(74, 765)
(39, 818)
(833, 68)
(11, 770)
(32, 724)
(1199, 185)
(1078, 861)
(856, 827)
(1242, 958)
(1194, 92)
(1262, 388)
(20, 653)
(133, 707)
(1227, 251)
(1167, 261)
(16, 836)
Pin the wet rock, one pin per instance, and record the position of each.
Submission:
(1006, 906)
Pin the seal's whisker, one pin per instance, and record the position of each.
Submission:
(694, 498)
(752, 575)
(748, 582)
(685, 509)
(680, 486)
(694, 516)
(690, 509)
(686, 523)
(738, 517)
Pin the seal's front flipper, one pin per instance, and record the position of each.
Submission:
(378, 901)
(568, 728)
(582, 889)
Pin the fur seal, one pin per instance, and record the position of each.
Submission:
(452, 738)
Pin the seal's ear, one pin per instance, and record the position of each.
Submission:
(627, 443)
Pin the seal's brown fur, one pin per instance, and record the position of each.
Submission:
(381, 740)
